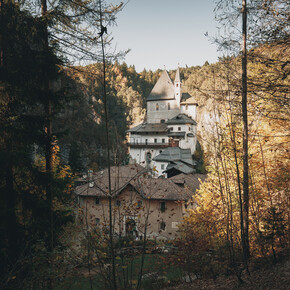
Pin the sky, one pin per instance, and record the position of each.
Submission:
(166, 33)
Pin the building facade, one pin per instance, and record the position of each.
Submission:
(140, 205)
(170, 122)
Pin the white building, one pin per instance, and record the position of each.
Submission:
(170, 125)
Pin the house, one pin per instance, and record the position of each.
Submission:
(170, 123)
(140, 204)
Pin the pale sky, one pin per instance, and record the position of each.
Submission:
(165, 33)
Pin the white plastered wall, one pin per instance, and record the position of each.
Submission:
(189, 110)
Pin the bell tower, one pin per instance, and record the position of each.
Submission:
(177, 87)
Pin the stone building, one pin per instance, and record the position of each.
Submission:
(139, 203)
(170, 122)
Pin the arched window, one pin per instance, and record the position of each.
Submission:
(177, 85)
(168, 106)
(162, 226)
(148, 157)
(157, 107)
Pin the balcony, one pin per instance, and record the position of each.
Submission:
(148, 145)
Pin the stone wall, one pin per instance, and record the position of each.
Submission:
(131, 206)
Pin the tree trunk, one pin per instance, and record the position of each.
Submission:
(246, 249)
(48, 132)
(108, 156)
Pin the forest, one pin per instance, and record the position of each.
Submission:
(60, 117)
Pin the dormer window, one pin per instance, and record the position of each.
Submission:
(157, 107)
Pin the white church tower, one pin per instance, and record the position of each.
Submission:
(177, 87)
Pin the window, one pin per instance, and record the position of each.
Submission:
(162, 166)
(157, 107)
(163, 140)
(162, 226)
(162, 121)
(148, 157)
(97, 200)
(162, 206)
(168, 106)
(186, 107)
(179, 128)
(155, 140)
(160, 151)
(177, 85)
(118, 202)
(146, 141)
(97, 221)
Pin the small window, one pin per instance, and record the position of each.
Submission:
(163, 140)
(155, 140)
(162, 206)
(157, 107)
(97, 200)
(162, 121)
(162, 166)
(148, 157)
(177, 85)
(171, 129)
(97, 221)
(168, 106)
(160, 151)
(146, 141)
(118, 202)
(179, 128)
(162, 226)
(186, 107)
(139, 203)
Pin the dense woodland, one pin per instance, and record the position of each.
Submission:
(53, 127)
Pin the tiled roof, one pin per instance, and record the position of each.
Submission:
(180, 166)
(176, 134)
(172, 154)
(190, 181)
(161, 188)
(123, 176)
(186, 98)
(163, 89)
(181, 119)
(145, 127)
(120, 177)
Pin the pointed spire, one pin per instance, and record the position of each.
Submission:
(177, 76)
(163, 89)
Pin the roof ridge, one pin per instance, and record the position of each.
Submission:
(163, 89)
